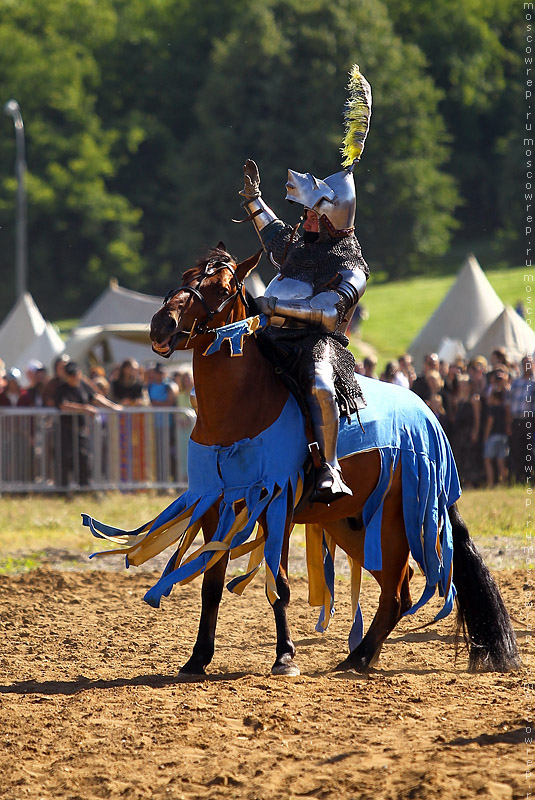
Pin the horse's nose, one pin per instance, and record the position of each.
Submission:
(163, 327)
(169, 326)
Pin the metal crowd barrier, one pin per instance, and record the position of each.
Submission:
(45, 450)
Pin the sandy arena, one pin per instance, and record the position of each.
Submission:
(91, 704)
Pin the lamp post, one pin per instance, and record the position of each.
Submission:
(11, 108)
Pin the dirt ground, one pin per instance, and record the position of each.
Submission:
(91, 704)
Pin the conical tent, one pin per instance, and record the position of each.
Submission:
(470, 306)
(508, 331)
(25, 335)
(116, 307)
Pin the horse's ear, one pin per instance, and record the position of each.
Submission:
(221, 246)
(245, 267)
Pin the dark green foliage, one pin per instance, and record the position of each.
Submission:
(140, 113)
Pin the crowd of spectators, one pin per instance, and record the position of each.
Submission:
(68, 389)
(481, 406)
(126, 384)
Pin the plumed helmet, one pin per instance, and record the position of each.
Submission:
(335, 196)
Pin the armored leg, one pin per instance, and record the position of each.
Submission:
(325, 419)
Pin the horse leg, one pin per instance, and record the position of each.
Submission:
(285, 652)
(211, 593)
(284, 663)
(393, 580)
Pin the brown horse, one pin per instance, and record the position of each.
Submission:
(211, 295)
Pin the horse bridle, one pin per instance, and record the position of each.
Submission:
(213, 266)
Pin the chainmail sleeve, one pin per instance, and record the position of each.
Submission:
(276, 238)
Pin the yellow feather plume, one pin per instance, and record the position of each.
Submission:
(357, 113)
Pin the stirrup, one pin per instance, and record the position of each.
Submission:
(329, 485)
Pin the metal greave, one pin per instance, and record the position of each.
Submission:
(321, 397)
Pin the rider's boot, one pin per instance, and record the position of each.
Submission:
(329, 483)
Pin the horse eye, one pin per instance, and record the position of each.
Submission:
(224, 292)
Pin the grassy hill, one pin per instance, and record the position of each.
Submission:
(399, 309)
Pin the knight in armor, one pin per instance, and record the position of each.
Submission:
(322, 276)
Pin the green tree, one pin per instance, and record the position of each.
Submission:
(80, 233)
(472, 52)
(286, 110)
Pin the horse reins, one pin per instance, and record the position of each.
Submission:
(213, 266)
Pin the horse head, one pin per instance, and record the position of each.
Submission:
(211, 295)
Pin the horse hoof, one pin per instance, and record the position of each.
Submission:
(347, 664)
(192, 669)
(286, 669)
(285, 666)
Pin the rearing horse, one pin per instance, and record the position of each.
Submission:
(403, 485)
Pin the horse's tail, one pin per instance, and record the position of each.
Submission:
(481, 614)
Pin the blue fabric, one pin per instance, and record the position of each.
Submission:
(356, 633)
(261, 471)
(234, 333)
(403, 428)
(328, 570)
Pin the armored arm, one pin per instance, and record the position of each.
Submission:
(319, 312)
(352, 285)
(257, 211)
(325, 310)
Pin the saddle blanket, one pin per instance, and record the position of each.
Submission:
(265, 473)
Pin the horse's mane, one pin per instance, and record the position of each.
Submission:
(213, 254)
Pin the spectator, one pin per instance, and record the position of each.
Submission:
(370, 367)
(450, 375)
(451, 379)
(435, 384)
(3, 381)
(161, 391)
(31, 368)
(389, 374)
(405, 375)
(465, 432)
(520, 416)
(443, 367)
(420, 385)
(359, 367)
(477, 370)
(499, 362)
(186, 389)
(102, 385)
(496, 440)
(49, 391)
(15, 436)
(75, 395)
(13, 394)
(35, 393)
(127, 389)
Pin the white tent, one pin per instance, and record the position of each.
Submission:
(24, 336)
(508, 331)
(99, 342)
(118, 305)
(470, 306)
(115, 306)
